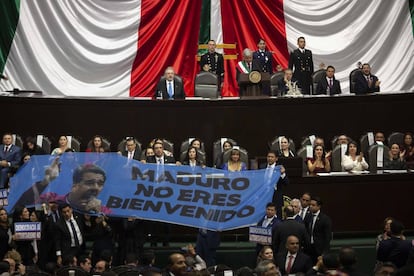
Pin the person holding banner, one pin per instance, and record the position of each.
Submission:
(160, 159)
(270, 220)
(23, 246)
(272, 158)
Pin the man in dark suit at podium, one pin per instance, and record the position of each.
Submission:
(328, 85)
(169, 87)
(301, 62)
(213, 62)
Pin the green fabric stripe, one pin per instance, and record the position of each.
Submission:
(411, 3)
(9, 17)
(204, 35)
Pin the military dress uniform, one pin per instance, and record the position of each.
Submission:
(266, 66)
(302, 65)
(266, 60)
(216, 62)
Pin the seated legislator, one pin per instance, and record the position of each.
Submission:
(63, 145)
(227, 145)
(247, 65)
(353, 162)
(288, 85)
(192, 159)
(266, 61)
(170, 87)
(396, 160)
(328, 85)
(319, 163)
(97, 145)
(284, 151)
(408, 147)
(366, 82)
(10, 156)
(234, 164)
(31, 148)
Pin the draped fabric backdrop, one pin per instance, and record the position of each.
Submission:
(120, 48)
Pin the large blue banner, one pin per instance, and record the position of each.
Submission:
(111, 184)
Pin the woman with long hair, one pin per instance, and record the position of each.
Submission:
(234, 164)
(319, 163)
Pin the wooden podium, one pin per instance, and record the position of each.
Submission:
(249, 88)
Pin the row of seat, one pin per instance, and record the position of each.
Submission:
(207, 84)
(393, 138)
(303, 151)
(74, 143)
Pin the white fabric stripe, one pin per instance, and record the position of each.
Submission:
(216, 26)
(74, 47)
(341, 33)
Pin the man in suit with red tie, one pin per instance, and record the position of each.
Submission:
(293, 261)
(10, 156)
(319, 228)
(328, 85)
(301, 62)
(69, 234)
(170, 87)
(366, 82)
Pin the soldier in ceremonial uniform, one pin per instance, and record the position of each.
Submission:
(301, 62)
(213, 62)
(265, 57)
(266, 62)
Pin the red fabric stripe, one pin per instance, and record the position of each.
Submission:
(167, 36)
(244, 22)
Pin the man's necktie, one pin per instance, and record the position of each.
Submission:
(289, 265)
(302, 213)
(75, 234)
(170, 89)
(6, 149)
